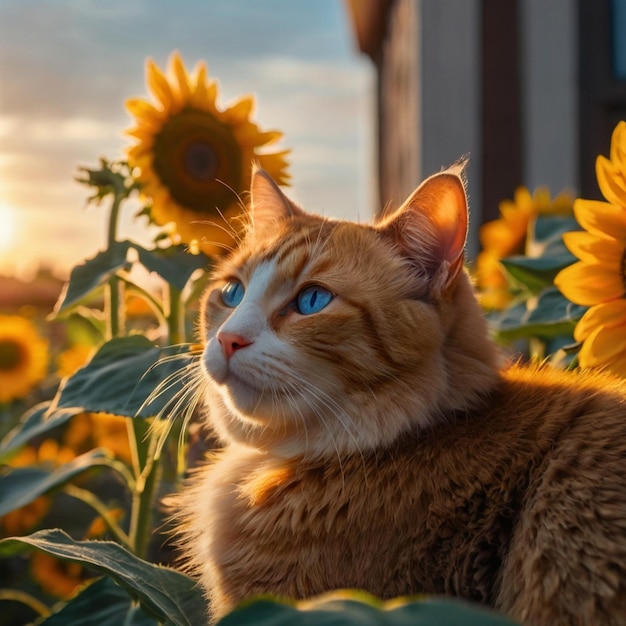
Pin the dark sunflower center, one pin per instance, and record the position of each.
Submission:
(201, 161)
(10, 354)
(198, 158)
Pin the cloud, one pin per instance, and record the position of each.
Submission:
(68, 67)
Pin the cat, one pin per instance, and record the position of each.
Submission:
(373, 438)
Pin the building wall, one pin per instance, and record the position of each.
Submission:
(429, 96)
(450, 118)
(399, 105)
(549, 61)
(455, 80)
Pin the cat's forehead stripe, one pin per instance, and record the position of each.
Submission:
(261, 279)
(289, 259)
(297, 243)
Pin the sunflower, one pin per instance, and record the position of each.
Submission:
(56, 577)
(23, 357)
(598, 279)
(508, 235)
(72, 359)
(194, 158)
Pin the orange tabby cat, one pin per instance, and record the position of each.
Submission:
(371, 439)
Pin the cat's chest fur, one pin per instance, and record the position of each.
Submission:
(433, 513)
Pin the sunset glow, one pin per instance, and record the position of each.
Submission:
(7, 226)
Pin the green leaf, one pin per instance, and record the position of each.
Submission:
(548, 316)
(122, 378)
(85, 326)
(103, 603)
(35, 422)
(354, 608)
(547, 253)
(173, 264)
(548, 229)
(168, 595)
(91, 274)
(553, 307)
(21, 485)
(538, 273)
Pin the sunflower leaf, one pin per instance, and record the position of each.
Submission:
(553, 307)
(547, 253)
(167, 594)
(537, 273)
(35, 422)
(104, 603)
(122, 378)
(548, 229)
(352, 608)
(548, 316)
(21, 485)
(93, 273)
(174, 264)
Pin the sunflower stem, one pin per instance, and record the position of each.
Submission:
(99, 507)
(114, 291)
(143, 495)
(16, 595)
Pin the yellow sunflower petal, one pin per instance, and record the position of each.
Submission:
(589, 283)
(589, 247)
(276, 164)
(617, 365)
(200, 91)
(618, 143)
(601, 218)
(607, 314)
(24, 357)
(602, 346)
(159, 85)
(177, 68)
(611, 182)
(562, 204)
(523, 199)
(541, 199)
(503, 237)
(139, 133)
(136, 152)
(241, 110)
(143, 110)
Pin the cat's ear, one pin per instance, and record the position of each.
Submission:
(430, 228)
(268, 203)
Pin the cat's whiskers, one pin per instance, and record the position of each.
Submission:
(290, 392)
(342, 416)
(309, 401)
(314, 396)
(227, 226)
(192, 380)
(295, 410)
(330, 403)
(171, 379)
(213, 242)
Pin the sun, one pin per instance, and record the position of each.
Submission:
(7, 226)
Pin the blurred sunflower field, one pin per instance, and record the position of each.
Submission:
(86, 452)
(97, 429)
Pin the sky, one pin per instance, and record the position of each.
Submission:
(67, 66)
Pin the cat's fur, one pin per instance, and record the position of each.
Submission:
(377, 444)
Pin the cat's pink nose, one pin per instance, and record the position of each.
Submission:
(231, 342)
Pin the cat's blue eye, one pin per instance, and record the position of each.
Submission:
(313, 299)
(232, 293)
